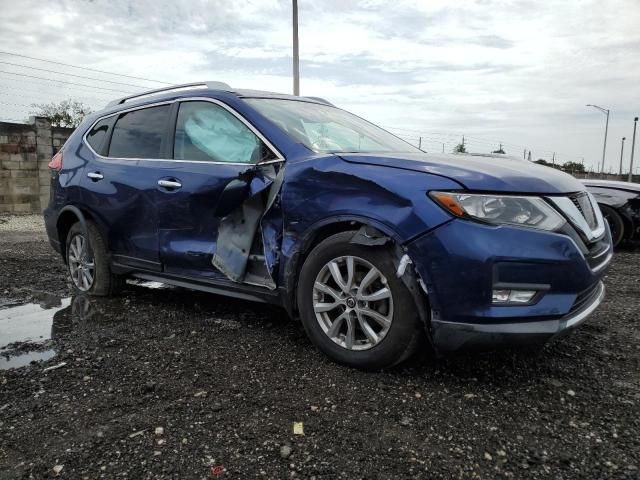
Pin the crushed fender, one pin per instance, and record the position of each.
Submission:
(369, 236)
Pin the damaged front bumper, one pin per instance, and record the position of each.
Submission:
(452, 336)
(461, 264)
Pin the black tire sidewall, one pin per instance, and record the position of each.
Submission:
(617, 218)
(102, 281)
(405, 324)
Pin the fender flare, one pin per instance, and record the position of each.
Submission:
(77, 212)
(294, 261)
(81, 220)
(310, 232)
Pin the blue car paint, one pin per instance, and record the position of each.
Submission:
(457, 260)
(465, 260)
(480, 173)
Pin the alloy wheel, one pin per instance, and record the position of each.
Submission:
(81, 264)
(353, 303)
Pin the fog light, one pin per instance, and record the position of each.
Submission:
(512, 296)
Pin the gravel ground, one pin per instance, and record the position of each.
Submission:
(168, 383)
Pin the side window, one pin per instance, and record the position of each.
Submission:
(209, 133)
(98, 134)
(139, 133)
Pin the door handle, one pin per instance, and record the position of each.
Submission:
(95, 176)
(169, 184)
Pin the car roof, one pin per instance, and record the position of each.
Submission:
(187, 89)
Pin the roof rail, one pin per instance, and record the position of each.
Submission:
(321, 100)
(184, 86)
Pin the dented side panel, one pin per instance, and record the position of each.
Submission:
(326, 189)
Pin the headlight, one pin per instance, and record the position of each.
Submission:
(501, 209)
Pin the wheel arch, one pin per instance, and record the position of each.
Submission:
(68, 216)
(323, 229)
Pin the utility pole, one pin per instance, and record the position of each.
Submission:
(443, 148)
(296, 53)
(419, 143)
(606, 129)
(633, 147)
(524, 155)
(621, 153)
(553, 159)
(529, 158)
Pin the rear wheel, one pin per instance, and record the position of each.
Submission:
(616, 224)
(353, 307)
(88, 262)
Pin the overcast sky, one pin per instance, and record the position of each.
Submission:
(517, 72)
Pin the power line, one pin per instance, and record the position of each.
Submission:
(20, 92)
(72, 75)
(16, 104)
(473, 139)
(83, 68)
(69, 83)
(37, 99)
(37, 84)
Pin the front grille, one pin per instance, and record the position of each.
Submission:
(583, 204)
(585, 297)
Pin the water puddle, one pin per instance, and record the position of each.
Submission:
(147, 283)
(24, 359)
(24, 331)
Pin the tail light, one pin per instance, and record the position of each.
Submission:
(56, 162)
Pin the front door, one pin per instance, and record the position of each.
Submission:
(215, 156)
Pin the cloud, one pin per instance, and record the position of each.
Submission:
(516, 71)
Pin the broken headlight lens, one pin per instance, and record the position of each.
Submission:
(501, 209)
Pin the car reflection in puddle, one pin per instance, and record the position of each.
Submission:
(25, 332)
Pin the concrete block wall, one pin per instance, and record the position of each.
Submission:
(25, 151)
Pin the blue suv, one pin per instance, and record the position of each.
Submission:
(374, 244)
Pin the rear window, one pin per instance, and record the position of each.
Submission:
(139, 134)
(98, 134)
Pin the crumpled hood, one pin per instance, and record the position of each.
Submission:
(480, 173)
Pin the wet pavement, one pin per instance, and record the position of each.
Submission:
(26, 330)
(170, 383)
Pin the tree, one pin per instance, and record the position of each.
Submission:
(542, 161)
(68, 113)
(460, 148)
(573, 167)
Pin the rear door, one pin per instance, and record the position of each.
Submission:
(215, 155)
(120, 182)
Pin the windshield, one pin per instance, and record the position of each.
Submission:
(326, 129)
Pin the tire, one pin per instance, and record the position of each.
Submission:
(616, 224)
(93, 257)
(362, 313)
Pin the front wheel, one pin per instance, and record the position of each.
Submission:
(353, 307)
(88, 263)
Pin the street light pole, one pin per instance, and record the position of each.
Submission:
(606, 130)
(633, 147)
(296, 59)
(621, 152)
